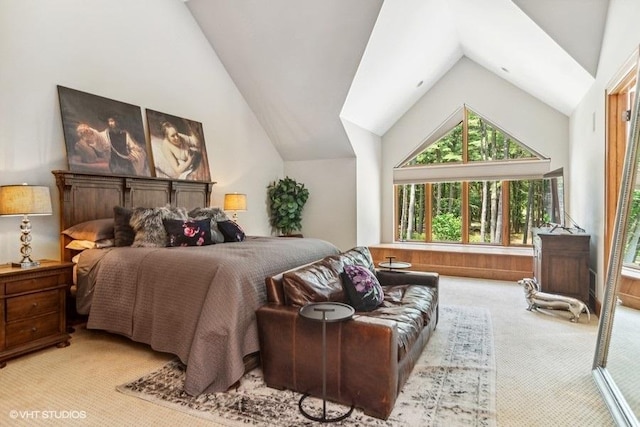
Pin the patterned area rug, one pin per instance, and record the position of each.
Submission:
(452, 384)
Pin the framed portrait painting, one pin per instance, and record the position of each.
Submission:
(178, 147)
(102, 135)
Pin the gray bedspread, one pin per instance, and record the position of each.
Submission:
(195, 302)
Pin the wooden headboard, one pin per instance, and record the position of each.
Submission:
(85, 196)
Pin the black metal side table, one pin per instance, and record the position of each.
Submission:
(325, 312)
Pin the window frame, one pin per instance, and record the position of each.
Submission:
(503, 171)
(464, 212)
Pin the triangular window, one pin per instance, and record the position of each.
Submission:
(486, 142)
(468, 146)
(447, 149)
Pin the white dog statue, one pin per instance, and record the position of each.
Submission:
(537, 299)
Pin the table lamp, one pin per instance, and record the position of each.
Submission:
(236, 203)
(16, 200)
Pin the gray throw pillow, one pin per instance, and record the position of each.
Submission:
(122, 231)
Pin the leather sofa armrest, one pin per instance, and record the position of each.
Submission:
(393, 278)
(291, 351)
(276, 333)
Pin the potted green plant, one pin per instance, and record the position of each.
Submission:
(287, 198)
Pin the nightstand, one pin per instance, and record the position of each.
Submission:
(32, 307)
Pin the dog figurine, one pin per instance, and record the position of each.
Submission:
(537, 299)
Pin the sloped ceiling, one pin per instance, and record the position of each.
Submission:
(303, 64)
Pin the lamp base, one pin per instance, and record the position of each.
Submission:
(25, 264)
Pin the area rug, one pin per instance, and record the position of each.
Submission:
(452, 384)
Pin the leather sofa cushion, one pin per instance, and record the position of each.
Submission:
(317, 282)
(410, 308)
(359, 255)
(320, 281)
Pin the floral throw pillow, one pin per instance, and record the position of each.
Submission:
(215, 215)
(188, 232)
(362, 288)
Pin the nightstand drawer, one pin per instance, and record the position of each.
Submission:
(33, 305)
(32, 329)
(33, 284)
(32, 308)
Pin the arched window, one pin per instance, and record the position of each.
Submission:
(472, 182)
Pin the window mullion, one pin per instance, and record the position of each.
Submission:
(427, 212)
(397, 220)
(465, 212)
(465, 136)
(506, 220)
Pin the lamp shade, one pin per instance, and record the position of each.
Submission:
(235, 202)
(25, 200)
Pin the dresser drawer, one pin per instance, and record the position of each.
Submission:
(32, 329)
(33, 305)
(34, 283)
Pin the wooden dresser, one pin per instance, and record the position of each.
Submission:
(561, 263)
(32, 309)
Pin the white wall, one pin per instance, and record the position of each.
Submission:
(344, 194)
(330, 211)
(149, 53)
(367, 147)
(587, 145)
(527, 119)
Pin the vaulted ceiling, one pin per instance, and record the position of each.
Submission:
(302, 65)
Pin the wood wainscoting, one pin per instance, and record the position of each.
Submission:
(484, 262)
(629, 289)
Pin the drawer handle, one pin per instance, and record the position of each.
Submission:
(34, 329)
(34, 305)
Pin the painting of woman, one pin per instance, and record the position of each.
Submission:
(178, 147)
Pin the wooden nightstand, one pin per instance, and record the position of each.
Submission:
(32, 307)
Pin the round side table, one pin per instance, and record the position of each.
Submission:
(325, 312)
(394, 265)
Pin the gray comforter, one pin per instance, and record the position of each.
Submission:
(195, 302)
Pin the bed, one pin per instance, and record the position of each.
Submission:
(196, 302)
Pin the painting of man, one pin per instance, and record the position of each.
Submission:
(102, 135)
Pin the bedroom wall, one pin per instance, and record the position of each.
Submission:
(344, 194)
(534, 123)
(366, 145)
(588, 130)
(330, 212)
(149, 53)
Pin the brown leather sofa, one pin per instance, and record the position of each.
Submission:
(369, 357)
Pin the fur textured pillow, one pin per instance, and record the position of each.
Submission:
(148, 226)
(215, 215)
(123, 233)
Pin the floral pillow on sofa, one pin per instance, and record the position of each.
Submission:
(362, 288)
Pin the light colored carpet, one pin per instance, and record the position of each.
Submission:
(453, 382)
(622, 360)
(543, 370)
(543, 360)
